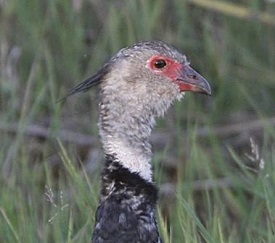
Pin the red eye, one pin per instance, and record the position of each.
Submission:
(159, 63)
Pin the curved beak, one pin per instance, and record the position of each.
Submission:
(190, 80)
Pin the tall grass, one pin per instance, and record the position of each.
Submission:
(210, 190)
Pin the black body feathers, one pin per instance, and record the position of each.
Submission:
(127, 205)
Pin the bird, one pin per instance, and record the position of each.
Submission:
(136, 86)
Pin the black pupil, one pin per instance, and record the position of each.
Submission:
(160, 63)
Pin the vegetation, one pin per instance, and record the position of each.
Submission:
(214, 158)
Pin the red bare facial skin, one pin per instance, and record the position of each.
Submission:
(182, 74)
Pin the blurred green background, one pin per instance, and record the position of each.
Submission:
(214, 157)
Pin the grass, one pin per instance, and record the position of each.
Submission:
(210, 190)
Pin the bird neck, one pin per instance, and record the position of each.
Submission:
(125, 134)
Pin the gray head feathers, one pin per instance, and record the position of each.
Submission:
(138, 51)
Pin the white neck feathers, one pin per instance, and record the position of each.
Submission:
(132, 158)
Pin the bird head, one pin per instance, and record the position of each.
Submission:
(165, 64)
(151, 73)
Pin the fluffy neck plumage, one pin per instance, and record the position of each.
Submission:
(126, 119)
(126, 136)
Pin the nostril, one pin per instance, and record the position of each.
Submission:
(192, 76)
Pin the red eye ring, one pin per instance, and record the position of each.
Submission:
(159, 63)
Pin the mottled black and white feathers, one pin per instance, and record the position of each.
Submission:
(126, 211)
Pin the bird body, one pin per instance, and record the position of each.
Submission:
(126, 212)
(137, 85)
